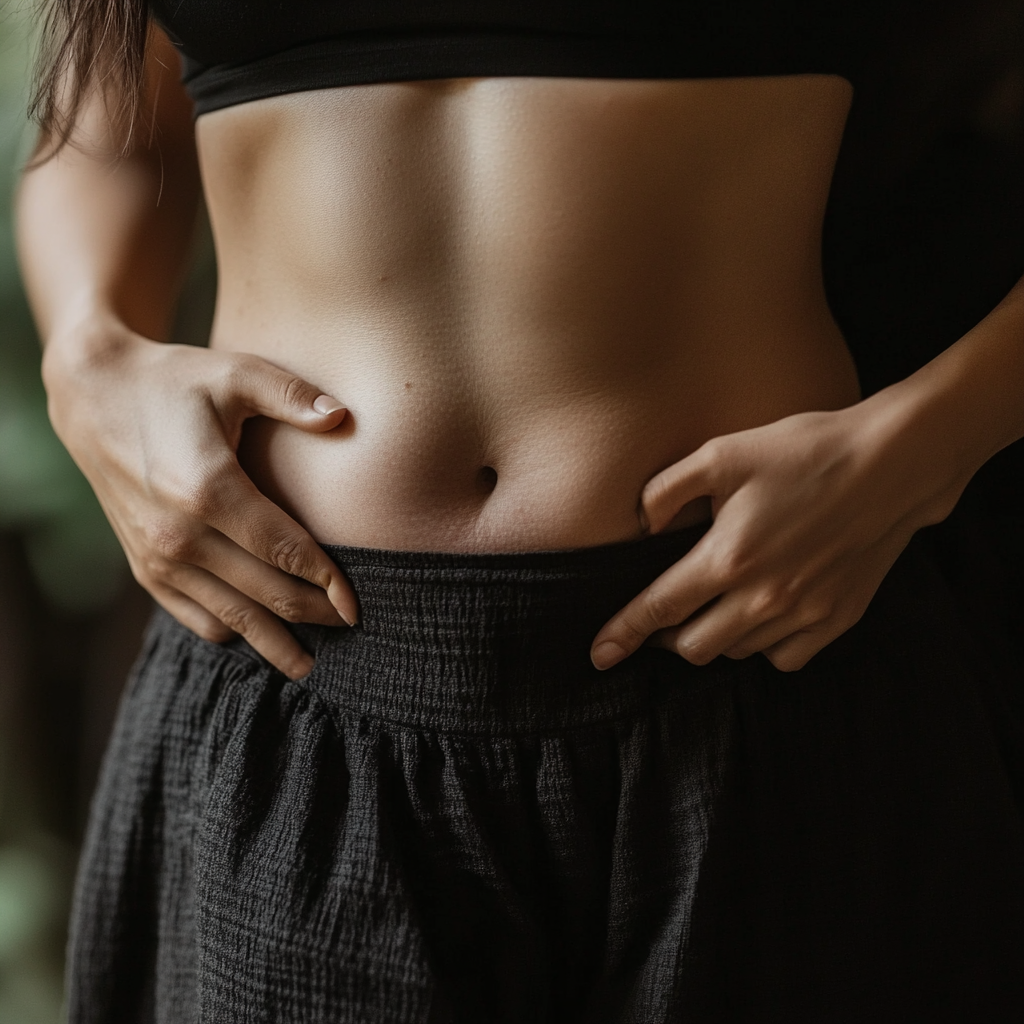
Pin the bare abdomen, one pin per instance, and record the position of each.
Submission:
(532, 294)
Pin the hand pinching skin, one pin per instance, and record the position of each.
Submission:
(155, 428)
(810, 513)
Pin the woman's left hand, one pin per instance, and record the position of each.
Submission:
(809, 512)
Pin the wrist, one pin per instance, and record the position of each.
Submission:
(81, 362)
(925, 456)
(91, 338)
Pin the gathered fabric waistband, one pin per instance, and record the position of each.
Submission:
(491, 641)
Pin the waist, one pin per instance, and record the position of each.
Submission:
(471, 643)
(525, 445)
(481, 641)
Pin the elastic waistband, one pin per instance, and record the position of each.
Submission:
(491, 642)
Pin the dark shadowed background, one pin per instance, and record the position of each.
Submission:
(925, 234)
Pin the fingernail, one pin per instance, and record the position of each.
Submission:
(606, 654)
(325, 405)
(344, 603)
(348, 616)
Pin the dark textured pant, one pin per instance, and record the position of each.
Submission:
(454, 817)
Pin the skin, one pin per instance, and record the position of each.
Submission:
(497, 314)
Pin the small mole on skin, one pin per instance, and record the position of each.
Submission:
(488, 478)
(408, 384)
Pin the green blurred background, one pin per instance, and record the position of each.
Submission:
(58, 560)
(925, 233)
(71, 617)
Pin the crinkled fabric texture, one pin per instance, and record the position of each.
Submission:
(454, 818)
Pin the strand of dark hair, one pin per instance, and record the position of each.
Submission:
(87, 46)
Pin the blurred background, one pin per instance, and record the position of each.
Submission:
(71, 617)
(925, 234)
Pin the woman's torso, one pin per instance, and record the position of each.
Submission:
(532, 294)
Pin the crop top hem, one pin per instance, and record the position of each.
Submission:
(366, 58)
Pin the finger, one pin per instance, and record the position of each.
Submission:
(267, 390)
(683, 483)
(192, 616)
(671, 599)
(765, 636)
(710, 633)
(229, 501)
(810, 614)
(700, 650)
(263, 631)
(741, 622)
(288, 597)
(798, 648)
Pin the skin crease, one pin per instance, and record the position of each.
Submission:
(557, 313)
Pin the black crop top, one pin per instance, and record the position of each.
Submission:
(240, 50)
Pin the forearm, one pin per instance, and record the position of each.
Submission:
(957, 411)
(99, 232)
(92, 237)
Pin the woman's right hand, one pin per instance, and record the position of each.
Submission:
(155, 429)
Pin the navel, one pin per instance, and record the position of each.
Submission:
(488, 478)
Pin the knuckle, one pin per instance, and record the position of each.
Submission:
(233, 374)
(289, 607)
(657, 492)
(694, 650)
(711, 453)
(629, 634)
(769, 602)
(711, 449)
(296, 391)
(659, 608)
(733, 564)
(200, 497)
(289, 552)
(168, 541)
(197, 501)
(151, 570)
(241, 618)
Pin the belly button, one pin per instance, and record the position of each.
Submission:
(488, 477)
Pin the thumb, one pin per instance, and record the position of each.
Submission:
(267, 390)
(683, 483)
